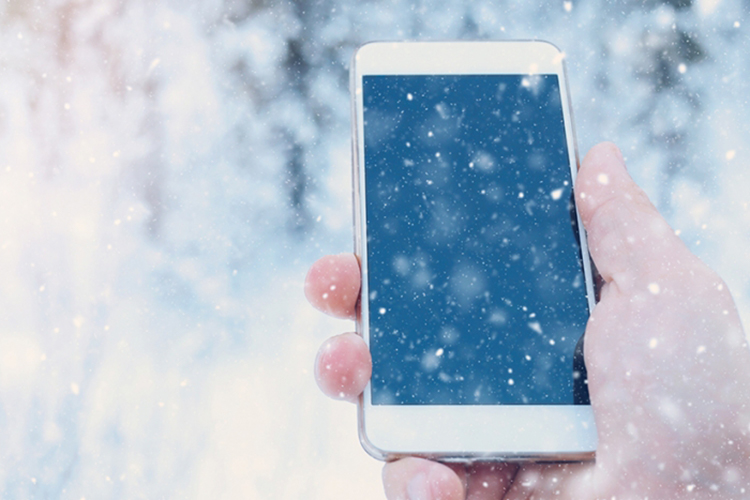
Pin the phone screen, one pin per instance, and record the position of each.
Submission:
(475, 287)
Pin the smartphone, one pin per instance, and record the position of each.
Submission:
(476, 278)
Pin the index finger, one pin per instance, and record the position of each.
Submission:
(332, 285)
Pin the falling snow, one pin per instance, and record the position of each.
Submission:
(233, 152)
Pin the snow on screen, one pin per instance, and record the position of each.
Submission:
(476, 290)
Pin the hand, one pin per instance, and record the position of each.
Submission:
(668, 367)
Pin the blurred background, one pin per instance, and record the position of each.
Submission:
(169, 169)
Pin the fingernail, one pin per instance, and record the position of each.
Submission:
(618, 153)
(418, 488)
(324, 349)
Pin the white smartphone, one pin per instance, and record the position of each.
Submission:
(476, 277)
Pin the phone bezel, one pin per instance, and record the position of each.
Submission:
(464, 432)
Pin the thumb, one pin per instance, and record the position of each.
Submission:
(631, 243)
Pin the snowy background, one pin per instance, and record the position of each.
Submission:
(168, 171)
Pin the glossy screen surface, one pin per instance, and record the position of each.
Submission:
(476, 292)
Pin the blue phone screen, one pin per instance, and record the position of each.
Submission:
(476, 290)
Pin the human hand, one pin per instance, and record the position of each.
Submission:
(667, 360)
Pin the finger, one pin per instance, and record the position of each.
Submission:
(332, 285)
(629, 240)
(343, 366)
(490, 481)
(571, 481)
(419, 479)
